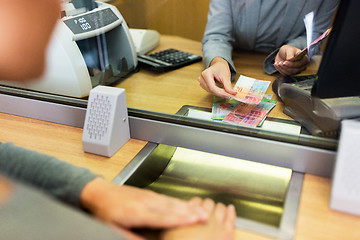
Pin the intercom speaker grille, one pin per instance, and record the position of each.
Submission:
(106, 126)
(99, 117)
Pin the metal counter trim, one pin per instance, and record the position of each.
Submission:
(299, 158)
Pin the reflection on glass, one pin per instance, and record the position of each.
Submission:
(188, 94)
(107, 60)
(91, 45)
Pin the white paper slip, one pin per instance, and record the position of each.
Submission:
(280, 127)
(193, 113)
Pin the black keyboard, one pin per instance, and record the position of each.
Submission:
(166, 60)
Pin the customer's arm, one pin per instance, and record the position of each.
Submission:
(118, 205)
(217, 50)
(57, 178)
(218, 37)
(128, 206)
(27, 27)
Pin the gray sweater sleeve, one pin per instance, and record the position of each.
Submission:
(218, 37)
(322, 22)
(57, 178)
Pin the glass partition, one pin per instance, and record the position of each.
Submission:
(176, 96)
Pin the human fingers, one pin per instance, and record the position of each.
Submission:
(222, 74)
(168, 212)
(208, 205)
(160, 220)
(219, 91)
(291, 68)
(303, 62)
(218, 72)
(220, 225)
(279, 58)
(203, 85)
(286, 52)
(195, 201)
(228, 87)
(230, 217)
(210, 86)
(229, 223)
(207, 79)
(194, 206)
(225, 216)
(220, 212)
(288, 68)
(153, 217)
(133, 207)
(207, 82)
(283, 71)
(176, 206)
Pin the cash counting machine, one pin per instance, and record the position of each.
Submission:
(91, 46)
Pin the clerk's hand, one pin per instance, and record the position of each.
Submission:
(126, 206)
(218, 72)
(286, 67)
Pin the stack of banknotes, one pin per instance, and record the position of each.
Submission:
(249, 107)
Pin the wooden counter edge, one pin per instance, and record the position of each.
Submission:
(315, 219)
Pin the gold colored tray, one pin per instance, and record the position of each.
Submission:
(257, 190)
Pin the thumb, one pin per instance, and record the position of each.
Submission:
(228, 87)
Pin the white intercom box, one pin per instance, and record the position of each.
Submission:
(106, 127)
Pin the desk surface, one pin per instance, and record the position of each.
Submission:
(315, 219)
(168, 93)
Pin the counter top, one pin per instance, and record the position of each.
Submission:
(315, 219)
(167, 93)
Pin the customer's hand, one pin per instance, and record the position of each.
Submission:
(218, 72)
(220, 225)
(127, 206)
(288, 68)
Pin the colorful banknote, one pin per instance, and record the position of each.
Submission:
(250, 90)
(303, 52)
(249, 115)
(222, 107)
